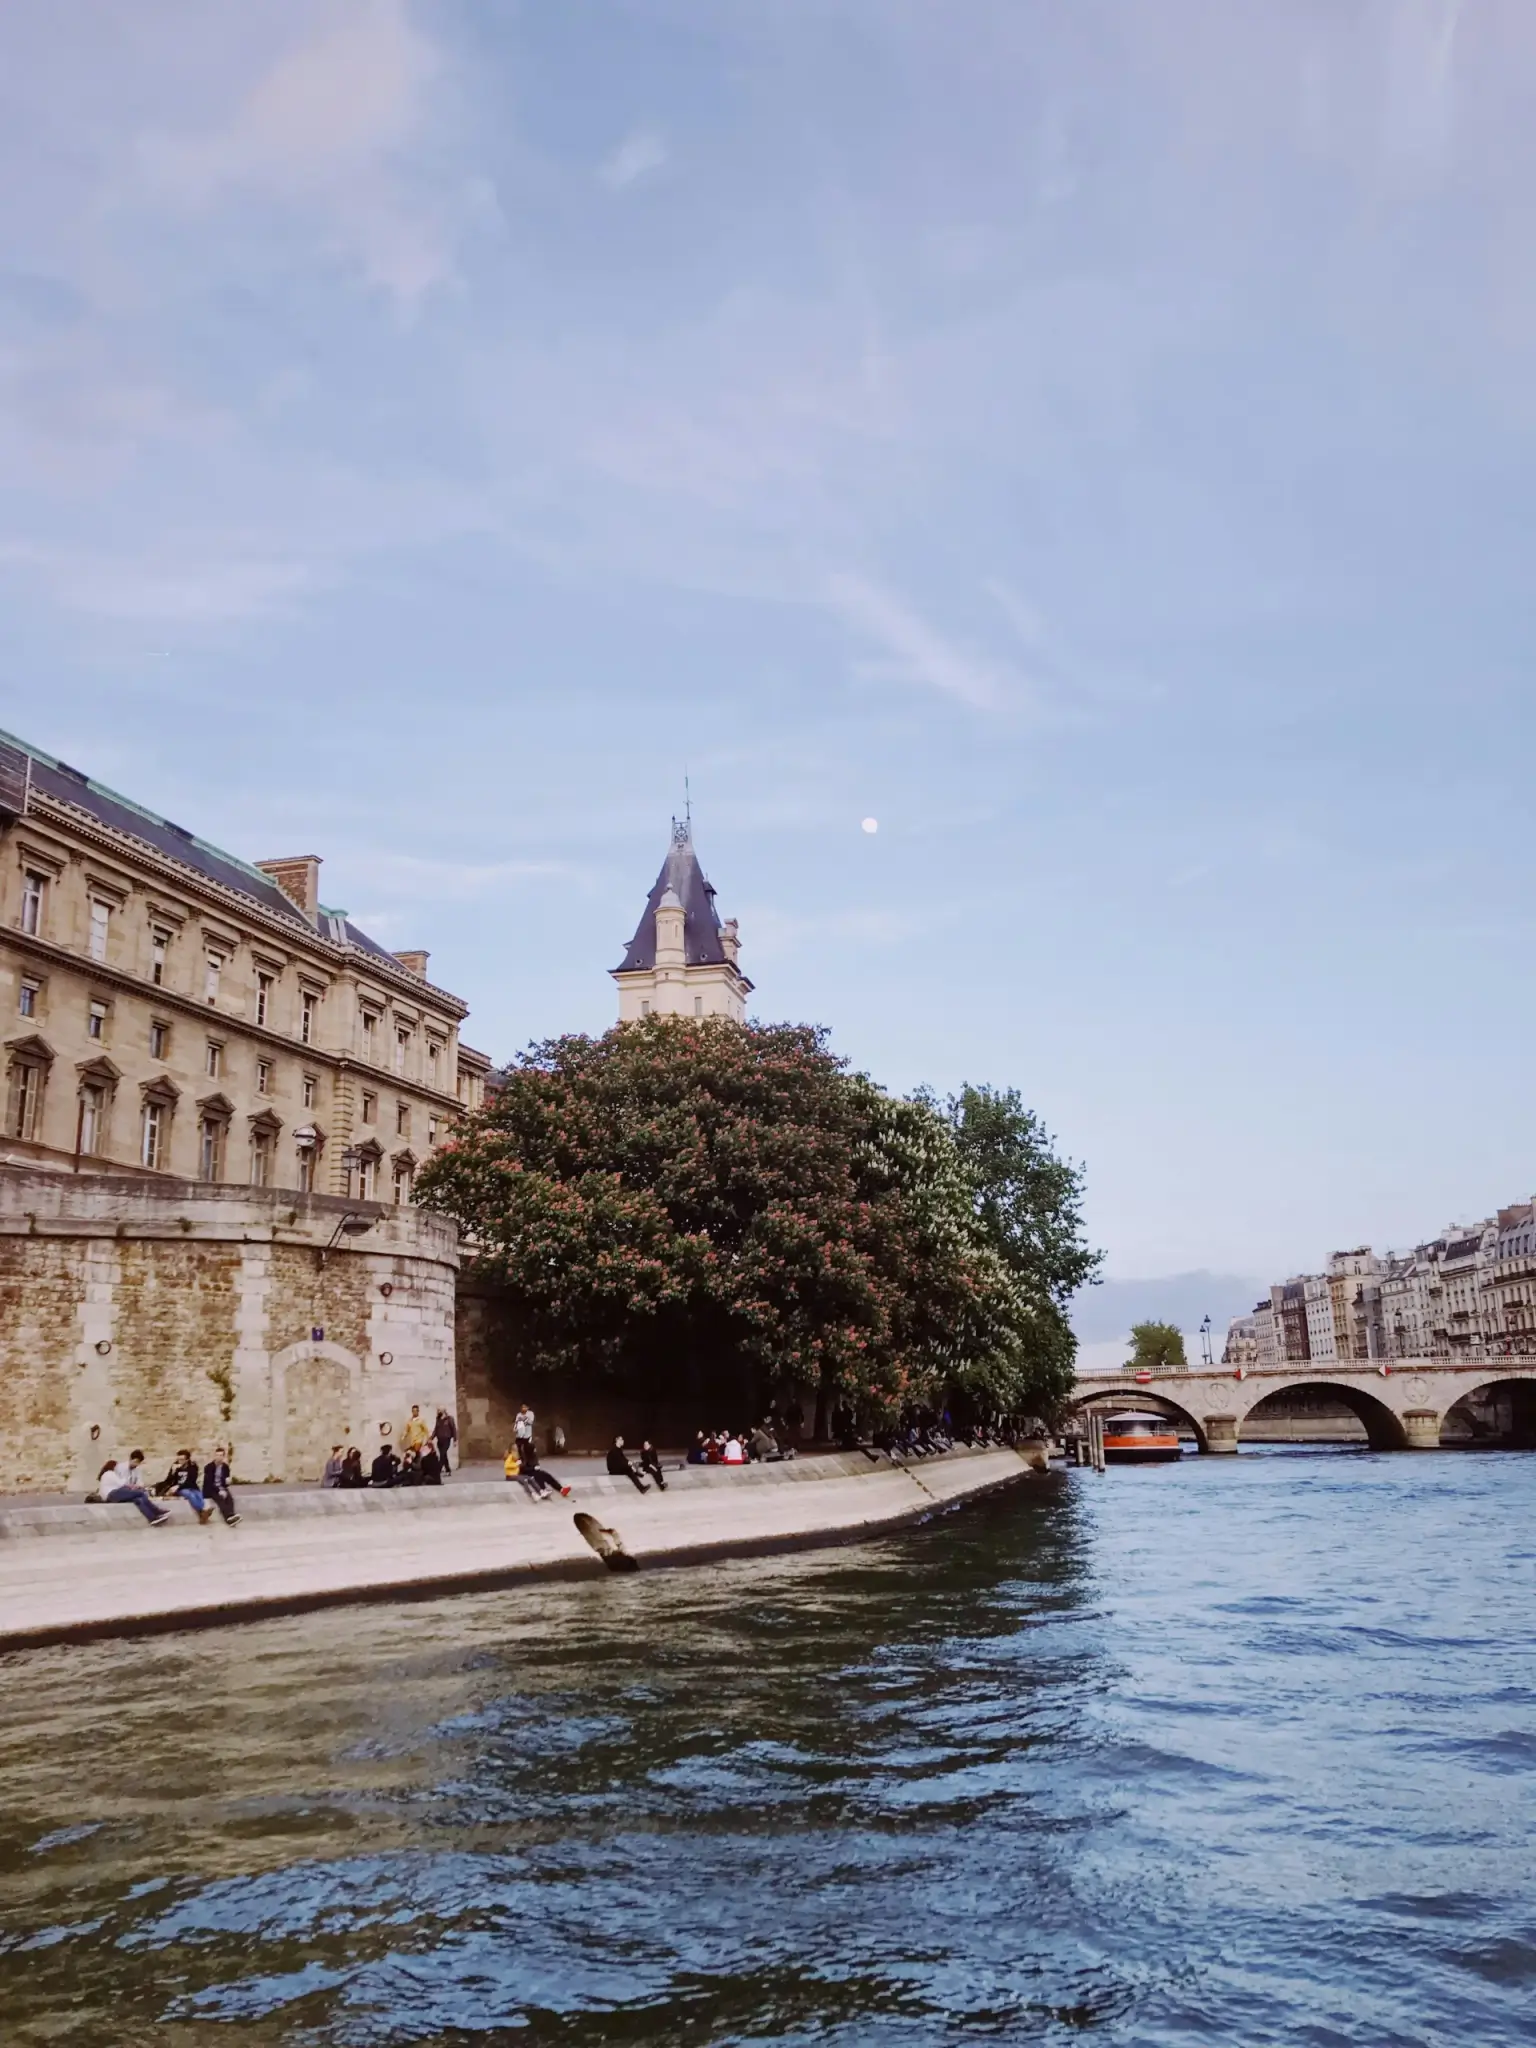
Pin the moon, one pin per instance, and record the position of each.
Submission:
(871, 824)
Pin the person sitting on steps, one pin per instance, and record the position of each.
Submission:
(620, 1467)
(539, 1482)
(113, 1484)
(650, 1462)
(182, 1479)
(216, 1484)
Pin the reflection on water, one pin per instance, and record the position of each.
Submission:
(1239, 1751)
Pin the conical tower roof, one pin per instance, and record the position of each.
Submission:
(680, 873)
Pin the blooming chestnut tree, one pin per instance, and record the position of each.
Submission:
(704, 1209)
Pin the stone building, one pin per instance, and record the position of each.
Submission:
(172, 1010)
(1509, 1313)
(160, 1313)
(682, 961)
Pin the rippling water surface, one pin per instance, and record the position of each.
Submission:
(1237, 1752)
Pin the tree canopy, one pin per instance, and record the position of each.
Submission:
(693, 1205)
(1159, 1347)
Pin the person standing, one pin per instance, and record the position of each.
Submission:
(445, 1434)
(216, 1484)
(415, 1432)
(112, 1483)
(522, 1432)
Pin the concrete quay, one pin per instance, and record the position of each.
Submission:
(77, 1572)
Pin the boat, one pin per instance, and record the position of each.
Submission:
(1138, 1438)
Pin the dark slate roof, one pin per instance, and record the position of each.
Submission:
(68, 785)
(681, 872)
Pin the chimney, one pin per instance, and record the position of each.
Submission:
(730, 940)
(299, 879)
(414, 963)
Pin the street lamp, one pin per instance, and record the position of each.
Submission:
(1205, 1341)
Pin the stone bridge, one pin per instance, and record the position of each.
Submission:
(1402, 1406)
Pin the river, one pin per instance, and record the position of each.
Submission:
(1235, 1752)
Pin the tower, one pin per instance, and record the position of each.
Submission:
(682, 961)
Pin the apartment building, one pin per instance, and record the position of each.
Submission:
(172, 1009)
(1510, 1281)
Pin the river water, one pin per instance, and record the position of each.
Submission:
(1235, 1752)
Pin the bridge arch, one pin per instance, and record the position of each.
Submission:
(1383, 1426)
(1132, 1396)
(1520, 1387)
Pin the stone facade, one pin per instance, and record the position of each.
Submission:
(156, 1313)
(167, 1008)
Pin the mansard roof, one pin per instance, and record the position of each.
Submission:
(66, 785)
(681, 873)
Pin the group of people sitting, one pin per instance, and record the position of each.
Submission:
(203, 1489)
(423, 1458)
(740, 1447)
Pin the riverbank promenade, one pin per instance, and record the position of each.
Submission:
(72, 1571)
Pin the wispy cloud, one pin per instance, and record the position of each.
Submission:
(913, 651)
(322, 129)
(637, 155)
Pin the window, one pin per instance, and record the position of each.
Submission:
(370, 1037)
(308, 1005)
(263, 998)
(34, 888)
(309, 1091)
(402, 1186)
(431, 1130)
(213, 1059)
(210, 1148)
(213, 967)
(698, 1006)
(367, 1179)
(433, 1051)
(402, 1119)
(159, 1040)
(24, 1099)
(645, 1009)
(263, 1081)
(402, 1049)
(93, 1118)
(26, 999)
(101, 915)
(153, 1136)
(306, 1166)
(96, 1019)
(370, 1107)
(159, 951)
(261, 1159)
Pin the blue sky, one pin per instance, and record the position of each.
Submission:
(1093, 439)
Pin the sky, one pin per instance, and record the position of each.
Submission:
(1091, 437)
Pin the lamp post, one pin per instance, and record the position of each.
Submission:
(1205, 1341)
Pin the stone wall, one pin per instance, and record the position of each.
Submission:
(137, 1311)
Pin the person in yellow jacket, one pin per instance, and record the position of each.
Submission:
(416, 1431)
(512, 1464)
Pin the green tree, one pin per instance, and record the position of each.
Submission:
(704, 1208)
(1028, 1202)
(1158, 1347)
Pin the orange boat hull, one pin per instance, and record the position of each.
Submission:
(1141, 1450)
